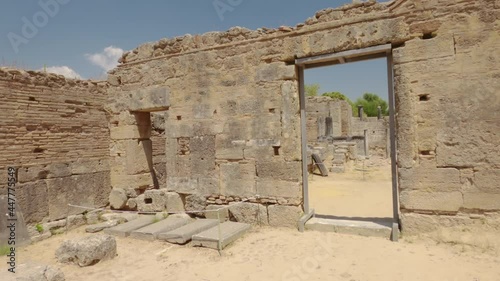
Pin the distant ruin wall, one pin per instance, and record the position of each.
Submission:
(233, 124)
(55, 132)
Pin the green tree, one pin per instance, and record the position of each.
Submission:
(312, 90)
(370, 103)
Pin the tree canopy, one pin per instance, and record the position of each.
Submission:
(312, 90)
(370, 103)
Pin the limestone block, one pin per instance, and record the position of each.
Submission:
(154, 201)
(274, 72)
(174, 203)
(290, 122)
(84, 166)
(97, 187)
(57, 170)
(288, 171)
(139, 156)
(202, 155)
(87, 251)
(431, 201)
(249, 213)
(32, 198)
(64, 191)
(126, 132)
(430, 178)
(118, 198)
(29, 174)
(30, 271)
(284, 216)
(149, 100)
(212, 210)
(182, 185)
(196, 203)
(482, 201)
(237, 179)
(488, 180)
(277, 188)
(229, 148)
(420, 49)
(133, 181)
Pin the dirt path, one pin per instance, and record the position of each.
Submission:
(278, 254)
(356, 193)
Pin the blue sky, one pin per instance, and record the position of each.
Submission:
(86, 36)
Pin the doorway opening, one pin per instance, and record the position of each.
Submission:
(348, 129)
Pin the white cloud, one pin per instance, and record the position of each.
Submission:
(107, 59)
(63, 70)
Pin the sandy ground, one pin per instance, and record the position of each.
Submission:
(278, 254)
(363, 192)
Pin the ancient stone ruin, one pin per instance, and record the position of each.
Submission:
(194, 122)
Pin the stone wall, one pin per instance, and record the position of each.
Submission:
(326, 117)
(233, 126)
(377, 133)
(54, 130)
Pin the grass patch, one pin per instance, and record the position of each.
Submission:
(39, 227)
(4, 250)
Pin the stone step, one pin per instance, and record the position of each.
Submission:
(184, 234)
(152, 231)
(124, 230)
(230, 231)
(382, 228)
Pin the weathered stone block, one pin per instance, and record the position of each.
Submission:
(118, 198)
(237, 179)
(276, 188)
(419, 49)
(84, 166)
(288, 171)
(274, 72)
(139, 156)
(229, 148)
(284, 216)
(431, 201)
(58, 170)
(249, 213)
(183, 185)
(64, 191)
(196, 203)
(149, 100)
(482, 201)
(127, 132)
(174, 203)
(87, 251)
(29, 174)
(429, 178)
(132, 181)
(33, 200)
(154, 201)
(212, 210)
(488, 180)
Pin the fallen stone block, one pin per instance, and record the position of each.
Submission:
(87, 251)
(183, 234)
(124, 230)
(228, 233)
(152, 231)
(35, 272)
(101, 226)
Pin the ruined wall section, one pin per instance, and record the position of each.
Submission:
(318, 110)
(377, 132)
(446, 83)
(54, 130)
(235, 94)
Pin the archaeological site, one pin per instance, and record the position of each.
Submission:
(220, 121)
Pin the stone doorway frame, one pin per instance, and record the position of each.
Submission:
(381, 51)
